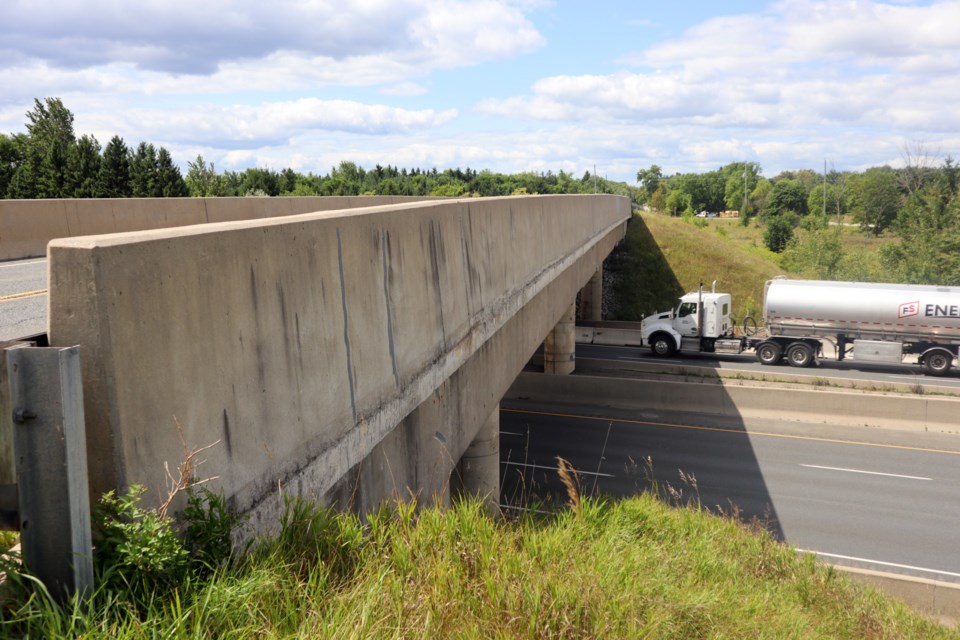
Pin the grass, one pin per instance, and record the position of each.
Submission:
(737, 259)
(636, 568)
(673, 257)
(664, 257)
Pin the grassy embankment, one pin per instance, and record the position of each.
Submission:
(664, 257)
(630, 569)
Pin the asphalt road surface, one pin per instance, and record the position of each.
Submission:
(877, 499)
(23, 298)
(826, 367)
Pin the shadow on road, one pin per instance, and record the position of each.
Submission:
(620, 451)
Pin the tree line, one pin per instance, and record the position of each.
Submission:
(50, 161)
(915, 209)
(916, 204)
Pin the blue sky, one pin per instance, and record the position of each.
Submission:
(506, 85)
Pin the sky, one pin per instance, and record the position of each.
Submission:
(607, 86)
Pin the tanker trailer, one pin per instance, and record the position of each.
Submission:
(866, 322)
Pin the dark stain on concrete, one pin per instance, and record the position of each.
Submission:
(226, 434)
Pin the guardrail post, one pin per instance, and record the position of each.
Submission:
(8, 472)
(46, 397)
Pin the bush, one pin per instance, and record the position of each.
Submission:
(779, 232)
(141, 554)
(137, 551)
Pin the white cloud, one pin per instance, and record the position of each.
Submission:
(246, 127)
(306, 84)
(799, 70)
(179, 37)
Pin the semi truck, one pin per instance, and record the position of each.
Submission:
(863, 322)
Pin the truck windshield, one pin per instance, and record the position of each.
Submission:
(686, 309)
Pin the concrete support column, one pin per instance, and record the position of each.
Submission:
(591, 298)
(479, 468)
(559, 349)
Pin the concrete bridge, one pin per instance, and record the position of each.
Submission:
(347, 356)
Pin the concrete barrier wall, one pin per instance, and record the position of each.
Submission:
(26, 226)
(300, 343)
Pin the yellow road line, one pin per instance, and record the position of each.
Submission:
(742, 432)
(24, 294)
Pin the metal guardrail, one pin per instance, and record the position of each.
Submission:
(43, 442)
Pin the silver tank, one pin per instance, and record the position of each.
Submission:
(902, 312)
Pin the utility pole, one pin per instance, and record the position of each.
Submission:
(743, 207)
(824, 188)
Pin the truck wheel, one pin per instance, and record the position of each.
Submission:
(769, 353)
(937, 363)
(662, 346)
(800, 354)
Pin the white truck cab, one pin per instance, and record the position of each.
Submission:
(699, 319)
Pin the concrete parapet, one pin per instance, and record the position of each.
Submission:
(324, 352)
(26, 226)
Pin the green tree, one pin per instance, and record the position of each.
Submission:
(779, 231)
(114, 177)
(759, 200)
(263, 181)
(741, 179)
(11, 156)
(876, 199)
(170, 184)
(649, 180)
(815, 253)
(678, 202)
(203, 181)
(658, 200)
(928, 251)
(43, 170)
(144, 169)
(288, 181)
(788, 195)
(83, 168)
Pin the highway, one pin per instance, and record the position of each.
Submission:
(870, 498)
(23, 298)
(826, 367)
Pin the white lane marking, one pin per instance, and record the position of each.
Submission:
(21, 264)
(871, 473)
(537, 466)
(880, 563)
(511, 433)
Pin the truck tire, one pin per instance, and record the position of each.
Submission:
(937, 362)
(769, 353)
(800, 354)
(661, 345)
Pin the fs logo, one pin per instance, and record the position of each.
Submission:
(908, 309)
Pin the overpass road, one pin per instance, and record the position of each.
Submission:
(874, 499)
(23, 298)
